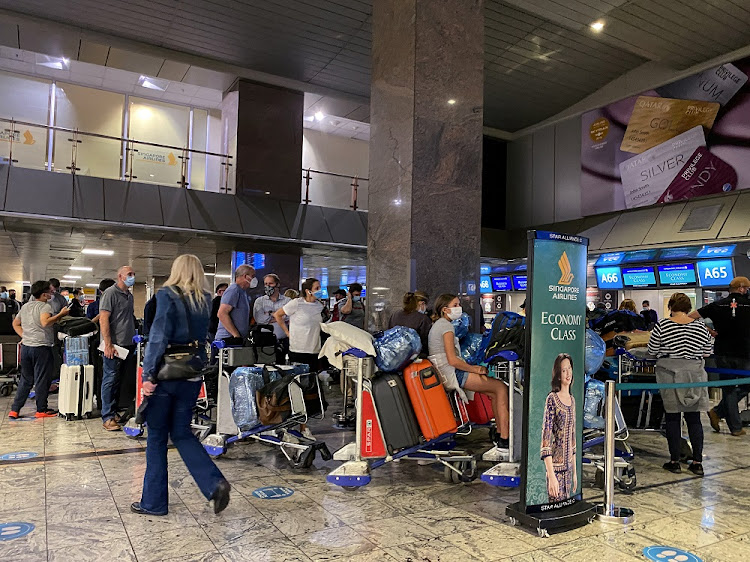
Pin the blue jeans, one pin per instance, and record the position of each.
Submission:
(168, 415)
(113, 371)
(36, 371)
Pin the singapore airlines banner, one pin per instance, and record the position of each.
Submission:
(683, 140)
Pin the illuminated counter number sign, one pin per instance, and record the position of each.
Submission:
(608, 278)
(715, 273)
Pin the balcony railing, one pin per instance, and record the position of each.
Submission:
(60, 149)
(328, 189)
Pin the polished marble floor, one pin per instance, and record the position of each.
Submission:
(78, 490)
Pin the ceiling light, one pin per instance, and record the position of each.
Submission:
(222, 276)
(97, 252)
(597, 26)
(157, 84)
(58, 63)
(268, 193)
(207, 274)
(143, 113)
(71, 277)
(80, 268)
(319, 116)
(95, 285)
(451, 102)
(22, 282)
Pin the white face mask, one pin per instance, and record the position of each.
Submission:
(254, 283)
(455, 312)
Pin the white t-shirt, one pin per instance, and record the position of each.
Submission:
(304, 325)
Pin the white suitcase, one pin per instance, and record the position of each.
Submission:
(76, 395)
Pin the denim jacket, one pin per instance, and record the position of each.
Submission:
(171, 326)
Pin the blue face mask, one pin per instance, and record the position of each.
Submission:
(3, 295)
(318, 294)
(356, 299)
(130, 281)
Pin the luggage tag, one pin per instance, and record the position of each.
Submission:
(703, 174)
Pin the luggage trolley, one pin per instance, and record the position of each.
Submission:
(9, 375)
(370, 451)
(507, 470)
(298, 450)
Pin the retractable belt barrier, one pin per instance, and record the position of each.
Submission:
(743, 380)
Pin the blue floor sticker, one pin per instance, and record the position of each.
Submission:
(15, 530)
(669, 554)
(19, 456)
(273, 493)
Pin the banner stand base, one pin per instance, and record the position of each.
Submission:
(576, 515)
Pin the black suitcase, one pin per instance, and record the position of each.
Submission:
(397, 418)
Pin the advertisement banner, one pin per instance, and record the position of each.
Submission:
(553, 388)
(683, 140)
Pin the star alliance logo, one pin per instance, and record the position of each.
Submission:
(566, 275)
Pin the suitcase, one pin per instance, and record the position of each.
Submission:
(429, 400)
(480, 409)
(76, 395)
(396, 415)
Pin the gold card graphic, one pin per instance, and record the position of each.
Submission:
(566, 274)
(656, 120)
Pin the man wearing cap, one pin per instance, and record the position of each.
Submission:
(731, 319)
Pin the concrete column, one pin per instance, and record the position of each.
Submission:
(424, 222)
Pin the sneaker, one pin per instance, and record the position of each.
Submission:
(111, 425)
(13, 415)
(673, 467)
(307, 434)
(501, 443)
(46, 414)
(136, 508)
(696, 468)
(739, 433)
(714, 419)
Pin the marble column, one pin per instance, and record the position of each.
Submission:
(424, 222)
(263, 133)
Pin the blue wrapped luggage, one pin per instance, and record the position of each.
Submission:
(396, 348)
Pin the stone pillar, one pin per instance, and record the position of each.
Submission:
(424, 222)
(267, 146)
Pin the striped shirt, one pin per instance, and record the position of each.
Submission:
(680, 341)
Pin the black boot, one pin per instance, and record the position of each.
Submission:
(220, 496)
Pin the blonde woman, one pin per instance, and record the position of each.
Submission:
(183, 308)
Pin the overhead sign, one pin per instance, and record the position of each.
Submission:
(608, 278)
(519, 282)
(639, 255)
(613, 258)
(501, 284)
(678, 253)
(716, 251)
(639, 277)
(485, 284)
(715, 273)
(484, 269)
(676, 275)
(553, 396)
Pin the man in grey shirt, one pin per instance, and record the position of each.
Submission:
(34, 326)
(56, 301)
(117, 325)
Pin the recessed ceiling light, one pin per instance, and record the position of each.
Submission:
(319, 116)
(157, 84)
(97, 252)
(95, 285)
(80, 268)
(222, 276)
(451, 102)
(268, 193)
(207, 274)
(22, 282)
(71, 276)
(58, 63)
(597, 26)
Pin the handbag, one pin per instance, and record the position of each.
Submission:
(181, 362)
(273, 402)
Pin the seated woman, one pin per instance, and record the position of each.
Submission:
(457, 374)
(681, 343)
(410, 317)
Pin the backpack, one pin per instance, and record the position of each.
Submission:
(618, 321)
(507, 334)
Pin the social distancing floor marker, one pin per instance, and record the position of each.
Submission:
(669, 554)
(15, 530)
(273, 492)
(19, 456)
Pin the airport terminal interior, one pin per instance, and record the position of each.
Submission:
(514, 240)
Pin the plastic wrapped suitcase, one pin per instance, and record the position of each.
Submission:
(396, 416)
(429, 400)
(480, 409)
(76, 395)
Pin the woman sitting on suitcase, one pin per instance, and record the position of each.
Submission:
(457, 374)
(172, 387)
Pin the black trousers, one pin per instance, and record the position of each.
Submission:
(674, 434)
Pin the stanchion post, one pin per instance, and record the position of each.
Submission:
(608, 512)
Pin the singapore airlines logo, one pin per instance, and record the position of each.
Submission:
(566, 275)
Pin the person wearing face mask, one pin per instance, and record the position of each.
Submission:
(304, 324)
(14, 303)
(410, 317)
(213, 323)
(422, 300)
(34, 326)
(77, 309)
(117, 327)
(353, 310)
(264, 309)
(234, 310)
(340, 296)
(456, 373)
(58, 302)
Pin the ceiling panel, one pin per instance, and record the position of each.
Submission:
(541, 57)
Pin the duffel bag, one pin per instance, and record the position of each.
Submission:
(273, 403)
(75, 326)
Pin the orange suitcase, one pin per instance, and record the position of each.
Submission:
(429, 399)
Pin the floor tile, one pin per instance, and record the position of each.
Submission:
(237, 532)
(395, 531)
(94, 551)
(293, 523)
(433, 550)
(493, 542)
(332, 544)
(94, 530)
(281, 550)
(154, 547)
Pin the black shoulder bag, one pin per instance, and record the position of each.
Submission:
(181, 362)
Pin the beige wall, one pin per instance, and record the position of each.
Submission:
(24, 99)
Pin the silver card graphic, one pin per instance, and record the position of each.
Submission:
(716, 84)
(646, 176)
